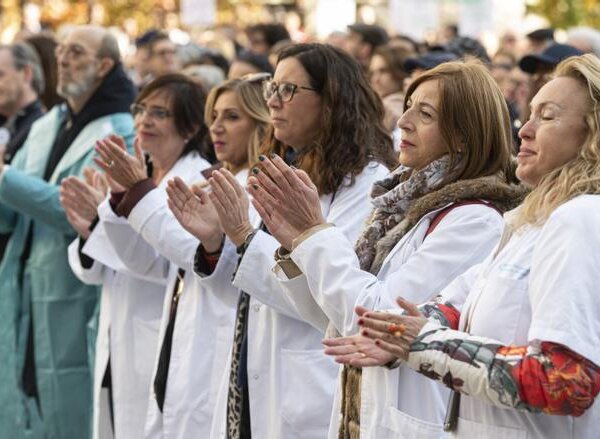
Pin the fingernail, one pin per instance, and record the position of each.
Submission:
(365, 333)
(272, 155)
(255, 171)
(361, 322)
(261, 158)
(377, 342)
(255, 187)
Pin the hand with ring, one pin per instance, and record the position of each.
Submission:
(357, 350)
(393, 333)
(122, 167)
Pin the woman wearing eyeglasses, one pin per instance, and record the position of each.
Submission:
(328, 121)
(171, 131)
(197, 315)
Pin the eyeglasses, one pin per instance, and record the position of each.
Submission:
(156, 113)
(71, 50)
(285, 91)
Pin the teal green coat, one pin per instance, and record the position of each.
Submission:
(61, 306)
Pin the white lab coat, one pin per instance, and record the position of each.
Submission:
(291, 382)
(130, 311)
(128, 307)
(203, 327)
(399, 402)
(541, 286)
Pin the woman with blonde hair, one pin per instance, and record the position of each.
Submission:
(196, 322)
(433, 217)
(526, 338)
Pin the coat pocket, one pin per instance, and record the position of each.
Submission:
(145, 341)
(469, 430)
(405, 426)
(307, 387)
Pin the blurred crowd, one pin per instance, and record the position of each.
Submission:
(184, 227)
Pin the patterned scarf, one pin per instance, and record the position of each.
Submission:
(392, 197)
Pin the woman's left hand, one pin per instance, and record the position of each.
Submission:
(232, 204)
(122, 167)
(394, 333)
(288, 191)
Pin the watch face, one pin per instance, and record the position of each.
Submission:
(4, 136)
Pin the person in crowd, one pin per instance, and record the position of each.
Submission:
(277, 49)
(503, 63)
(198, 317)
(508, 42)
(247, 63)
(541, 66)
(162, 56)
(416, 66)
(44, 308)
(539, 40)
(328, 121)
(387, 75)
(215, 58)
(406, 42)
(362, 41)
(45, 44)
(521, 353)
(448, 33)
(434, 217)
(585, 39)
(21, 84)
(167, 111)
(206, 75)
(263, 36)
(141, 58)
(501, 66)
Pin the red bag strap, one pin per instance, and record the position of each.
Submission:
(445, 211)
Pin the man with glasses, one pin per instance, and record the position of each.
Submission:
(163, 56)
(44, 310)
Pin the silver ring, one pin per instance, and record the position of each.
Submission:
(111, 163)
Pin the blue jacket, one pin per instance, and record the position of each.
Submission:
(45, 289)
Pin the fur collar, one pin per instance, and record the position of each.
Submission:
(504, 196)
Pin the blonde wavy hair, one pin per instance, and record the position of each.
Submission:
(250, 99)
(580, 175)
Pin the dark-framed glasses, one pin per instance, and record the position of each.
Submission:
(156, 113)
(285, 90)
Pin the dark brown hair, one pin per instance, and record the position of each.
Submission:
(351, 133)
(44, 44)
(394, 57)
(473, 119)
(187, 100)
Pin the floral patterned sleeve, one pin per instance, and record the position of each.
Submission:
(443, 313)
(547, 378)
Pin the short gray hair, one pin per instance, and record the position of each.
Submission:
(23, 55)
(109, 48)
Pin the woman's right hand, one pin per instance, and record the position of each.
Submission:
(195, 212)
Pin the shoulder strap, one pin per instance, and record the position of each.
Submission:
(442, 213)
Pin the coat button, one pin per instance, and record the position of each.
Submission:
(256, 308)
(255, 377)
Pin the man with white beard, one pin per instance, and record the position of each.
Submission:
(44, 309)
